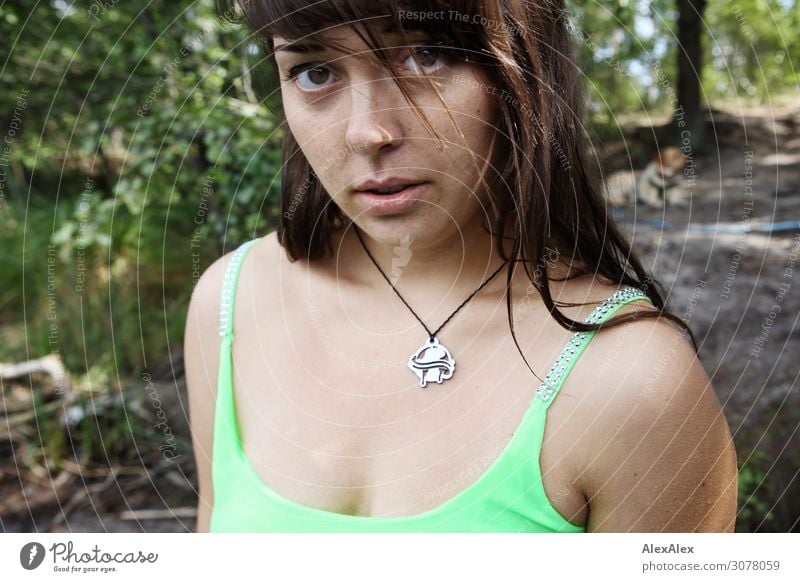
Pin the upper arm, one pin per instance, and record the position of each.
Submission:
(201, 361)
(664, 459)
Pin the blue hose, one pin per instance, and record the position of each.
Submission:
(784, 226)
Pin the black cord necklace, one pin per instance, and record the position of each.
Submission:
(432, 362)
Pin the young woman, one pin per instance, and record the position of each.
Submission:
(437, 210)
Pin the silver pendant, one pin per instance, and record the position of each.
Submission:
(432, 363)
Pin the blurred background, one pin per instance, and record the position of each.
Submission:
(140, 143)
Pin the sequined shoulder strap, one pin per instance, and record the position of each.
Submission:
(569, 355)
(229, 288)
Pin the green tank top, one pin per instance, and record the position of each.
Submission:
(508, 497)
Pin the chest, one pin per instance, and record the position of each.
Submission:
(332, 417)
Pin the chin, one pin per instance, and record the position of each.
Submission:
(398, 229)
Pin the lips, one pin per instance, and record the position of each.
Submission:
(375, 186)
(389, 191)
(395, 203)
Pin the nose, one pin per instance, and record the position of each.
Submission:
(373, 124)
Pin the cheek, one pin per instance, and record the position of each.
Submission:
(309, 133)
(478, 123)
(297, 121)
(321, 144)
(477, 109)
(485, 106)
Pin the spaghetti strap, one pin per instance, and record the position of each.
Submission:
(229, 289)
(227, 440)
(569, 355)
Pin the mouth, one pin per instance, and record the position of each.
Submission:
(394, 200)
(390, 190)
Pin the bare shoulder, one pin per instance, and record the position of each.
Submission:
(658, 453)
(204, 303)
(201, 360)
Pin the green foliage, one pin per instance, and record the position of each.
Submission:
(149, 154)
(628, 53)
(752, 47)
(754, 507)
(619, 44)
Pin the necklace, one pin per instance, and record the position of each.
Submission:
(432, 362)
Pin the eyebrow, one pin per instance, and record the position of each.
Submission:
(299, 47)
(311, 47)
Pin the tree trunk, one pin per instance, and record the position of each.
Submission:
(689, 110)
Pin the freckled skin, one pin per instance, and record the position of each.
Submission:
(360, 106)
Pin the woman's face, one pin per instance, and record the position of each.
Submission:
(354, 125)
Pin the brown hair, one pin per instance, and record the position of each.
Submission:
(542, 189)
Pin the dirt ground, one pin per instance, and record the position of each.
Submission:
(739, 291)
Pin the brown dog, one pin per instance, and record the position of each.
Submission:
(657, 185)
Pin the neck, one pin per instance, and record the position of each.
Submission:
(441, 272)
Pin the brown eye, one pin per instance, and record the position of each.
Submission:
(310, 77)
(429, 57)
(318, 75)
